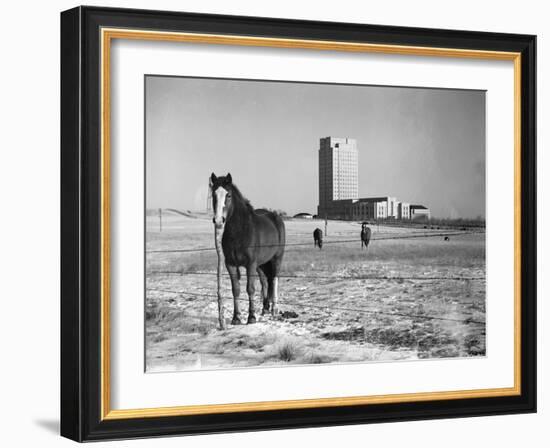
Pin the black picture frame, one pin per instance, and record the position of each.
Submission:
(81, 224)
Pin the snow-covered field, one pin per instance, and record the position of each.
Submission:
(411, 295)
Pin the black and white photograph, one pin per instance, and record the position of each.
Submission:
(275, 224)
(294, 223)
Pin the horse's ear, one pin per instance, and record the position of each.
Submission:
(213, 179)
(228, 178)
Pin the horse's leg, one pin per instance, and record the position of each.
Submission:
(236, 288)
(265, 297)
(250, 289)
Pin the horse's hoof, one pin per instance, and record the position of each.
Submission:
(265, 311)
(251, 319)
(274, 311)
(236, 321)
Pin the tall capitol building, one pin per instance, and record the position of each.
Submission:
(339, 188)
(338, 171)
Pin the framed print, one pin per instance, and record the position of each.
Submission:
(272, 223)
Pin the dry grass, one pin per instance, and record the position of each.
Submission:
(173, 319)
(287, 351)
(317, 358)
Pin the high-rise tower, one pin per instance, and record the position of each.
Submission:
(338, 171)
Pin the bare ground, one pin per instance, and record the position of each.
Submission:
(402, 310)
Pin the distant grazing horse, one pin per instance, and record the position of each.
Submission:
(255, 241)
(365, 236)
(318, 238)
(446, 238)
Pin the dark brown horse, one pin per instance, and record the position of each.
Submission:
(318, 238)
(365, 236)
(255, 241)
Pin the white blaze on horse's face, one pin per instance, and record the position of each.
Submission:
(220, 214)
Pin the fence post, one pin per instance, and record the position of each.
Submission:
(160, 219)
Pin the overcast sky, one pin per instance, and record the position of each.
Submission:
(423, 146)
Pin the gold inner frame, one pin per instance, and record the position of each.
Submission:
(107, 35)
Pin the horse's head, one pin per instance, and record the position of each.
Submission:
(222, 188)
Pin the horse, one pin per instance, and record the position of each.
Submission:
(318, 238)
(365, 236)
(446, 238)
(255, 241)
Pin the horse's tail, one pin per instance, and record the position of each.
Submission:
(277, 259)
(365, 235)
(280, 225)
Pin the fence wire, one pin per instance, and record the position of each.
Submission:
(355, 240)
(355, 310)
(330, 277)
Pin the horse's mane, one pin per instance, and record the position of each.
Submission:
(241, 200)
